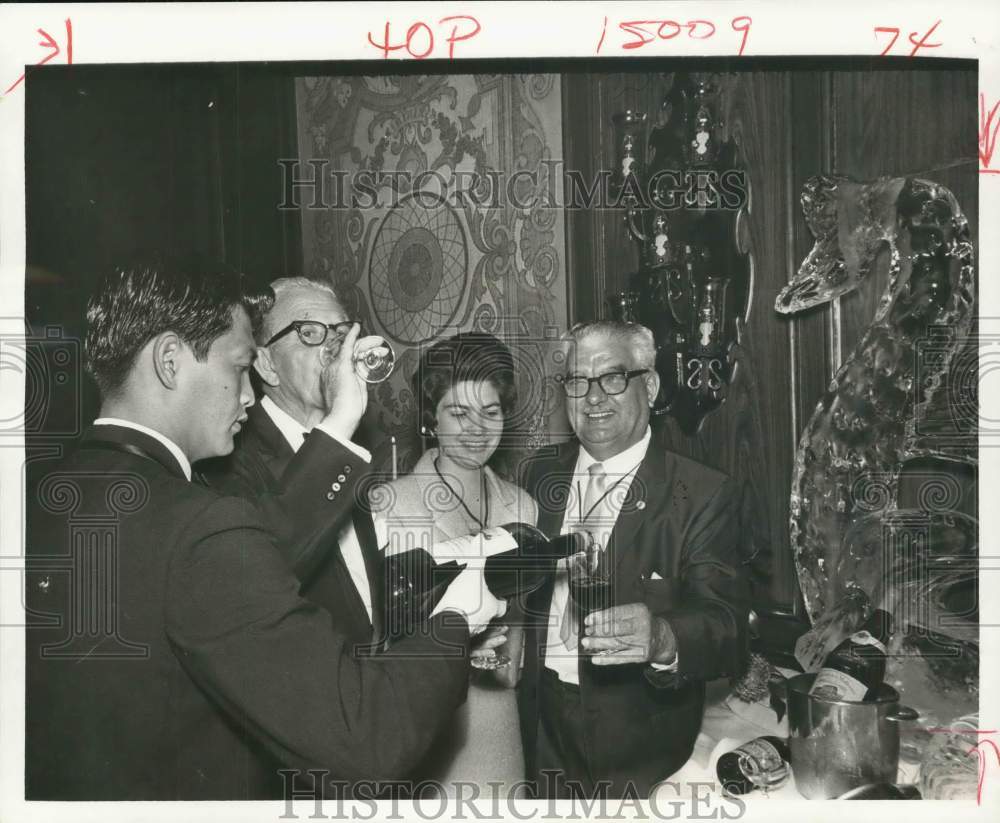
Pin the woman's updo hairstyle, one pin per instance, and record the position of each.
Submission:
(469, 356)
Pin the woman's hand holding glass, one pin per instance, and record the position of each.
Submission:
(484, 655)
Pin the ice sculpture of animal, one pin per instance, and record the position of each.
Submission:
(844, 512)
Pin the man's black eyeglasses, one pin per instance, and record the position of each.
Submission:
(314, 333)
(612, 382)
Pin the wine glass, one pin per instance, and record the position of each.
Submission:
(373, 357)
(765, 773)
(374, 363)
(491, 662)
(590, 586)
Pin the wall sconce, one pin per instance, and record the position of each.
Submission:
(683, 198)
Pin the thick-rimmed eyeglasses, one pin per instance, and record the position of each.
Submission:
(314, 333)
(611, 383)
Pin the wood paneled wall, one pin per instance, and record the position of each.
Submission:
(919, 120)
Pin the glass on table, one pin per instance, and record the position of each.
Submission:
(765, 772)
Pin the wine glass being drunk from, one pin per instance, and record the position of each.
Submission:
(373, 357)
(374, 364)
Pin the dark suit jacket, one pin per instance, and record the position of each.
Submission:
(679, 521)
(258, 469)
(170, 656)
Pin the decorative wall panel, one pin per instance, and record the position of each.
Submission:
(438, 215)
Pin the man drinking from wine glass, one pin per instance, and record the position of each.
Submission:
(620, 643)
(302, 330)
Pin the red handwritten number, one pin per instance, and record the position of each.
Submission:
(982, 766)
(673, 34)
(693, 26)
(669, 29)
(989, 127)
(414, 32)
(409, 40)
(922, 43)
(745, 28)
(917, 44)
(50, 43)
(603, 32)
(384, 45)
(895, 37)
(634, 27)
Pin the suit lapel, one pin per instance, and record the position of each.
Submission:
(365, 530)
(552, 494)
(270, 443)
(646, 495)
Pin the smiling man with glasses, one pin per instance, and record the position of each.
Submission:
(611, 702)
(607, 402)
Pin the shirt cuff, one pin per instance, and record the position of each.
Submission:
(360, 451)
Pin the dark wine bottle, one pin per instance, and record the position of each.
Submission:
(856, 668)
(523, 568)
(883, 791)
(770, 757)
(415, 581)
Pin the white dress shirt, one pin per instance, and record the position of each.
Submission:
(171, 446)
(620, 471)
(347, 538)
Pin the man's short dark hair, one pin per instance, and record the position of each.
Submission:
(135, 303)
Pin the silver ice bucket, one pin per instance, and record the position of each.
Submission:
(838, 745)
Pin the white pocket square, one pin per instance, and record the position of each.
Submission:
(655, 576)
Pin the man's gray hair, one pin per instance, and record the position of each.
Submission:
(638, 338)
(284, 284)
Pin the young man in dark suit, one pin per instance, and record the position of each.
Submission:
(614, 705)
(169, 653)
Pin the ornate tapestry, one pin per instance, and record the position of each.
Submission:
(436, 216)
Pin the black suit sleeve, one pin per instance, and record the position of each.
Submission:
(277, 666)
(710, 620)
(308, 504)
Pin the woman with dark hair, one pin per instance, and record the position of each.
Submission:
(466, 402)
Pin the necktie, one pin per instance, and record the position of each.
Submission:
(596, 488)
(594, 496)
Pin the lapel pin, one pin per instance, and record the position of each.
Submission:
(641, 505)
